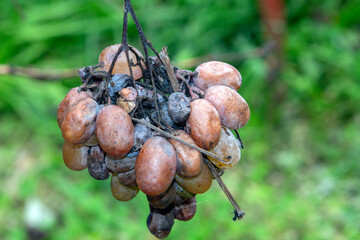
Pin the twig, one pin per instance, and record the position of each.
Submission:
(239, 214)
(169, 70)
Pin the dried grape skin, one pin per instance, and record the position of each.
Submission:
(196, 185)
(96, 164)
(217, 73)
(228, 150)
(79, 123)
(204, 124)
(71, 99)
(121, 65)
(75, 156)
(189, 160)
(233, 110)
(115, 131)
(121, 192)
(155, 166)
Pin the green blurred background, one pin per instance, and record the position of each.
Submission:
(299, 176)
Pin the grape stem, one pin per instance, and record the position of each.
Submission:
(238, 212)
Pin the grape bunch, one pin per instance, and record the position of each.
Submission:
(126, 121)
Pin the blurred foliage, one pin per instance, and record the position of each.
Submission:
(299, 173)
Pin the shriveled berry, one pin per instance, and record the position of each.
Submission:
(233, 109)
(163, 200)
(155, 166)
(119, 165)
(96, 164)
(217, 73)
(189, 160)
(186, 210)
(182, 192)
(178, 107)
(142, 134)
(204, 124)
(160, 221)
(75, 156)
(121, 192)
(127, 178)
(79, 123)
(115, 131)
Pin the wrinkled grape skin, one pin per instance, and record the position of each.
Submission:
(163, 200)
(71, 99)
(115, 131)
(189, 160)
(155, 166)
(228, 150)
(178, 107)
(127, 178)
(142, 134)
(217, 73)
(96, 164)
(160, 221)
(79, 123)
(196, 185)
(119, 165)
(121, 64)
(186, 210)
(233, 109)
(204, 124)
(121, 192)
(75, 156)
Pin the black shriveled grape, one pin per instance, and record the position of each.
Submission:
(118, 165)
(163, 200)
(96, 164)
(160, 221)
(166, 119)
(142, 133)
(118, 82)
(127, 179)
(178, 107)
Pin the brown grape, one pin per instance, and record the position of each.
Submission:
(119, 165)
(233, 109)
(79, 123)
(228, 150)
(163, 200)
(186, 210)
(121, 192)
(155, 166)
(127, 178)
(121, 64)
(217, 73)
(160, 221)
(204, 124)
(115, 131)
(75, 156)
(189, 160)
(96, 164)
(72, 98)
(197, 185)
(92, 141)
